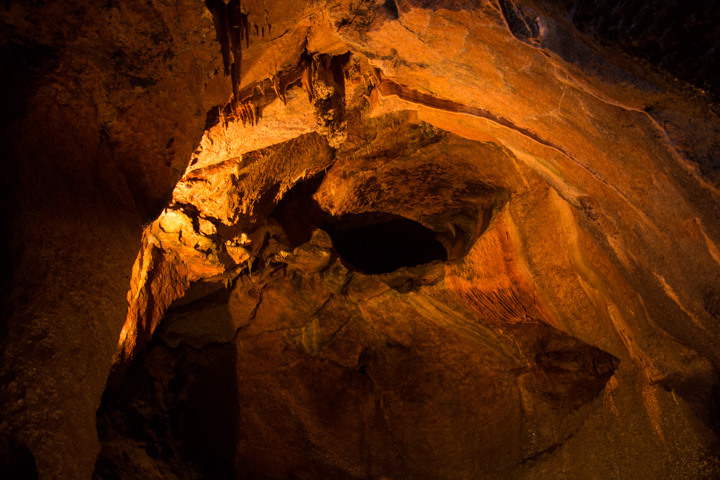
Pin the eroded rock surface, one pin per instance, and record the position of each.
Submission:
(414, 240)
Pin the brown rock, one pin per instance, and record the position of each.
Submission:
(415, 239)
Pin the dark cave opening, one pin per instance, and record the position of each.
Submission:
(370, 242)
(383, 243)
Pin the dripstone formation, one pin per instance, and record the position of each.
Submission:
(359, 239)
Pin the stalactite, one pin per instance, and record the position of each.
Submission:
(235, 33)
(220, 21)
(279, 88)
(231, 26)
(253, 112)
(307, 82)
(245, 29)
(246, 112)
(223, 118)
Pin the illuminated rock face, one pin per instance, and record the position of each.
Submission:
(414, 240)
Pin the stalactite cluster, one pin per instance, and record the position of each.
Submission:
(231, 28)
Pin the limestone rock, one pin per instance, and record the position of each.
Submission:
(372, 239)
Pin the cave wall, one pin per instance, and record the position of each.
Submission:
(93, 142)
(610, 166)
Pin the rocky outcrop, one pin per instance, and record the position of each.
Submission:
(414, 240)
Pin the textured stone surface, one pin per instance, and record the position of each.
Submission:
(102, 104)
(415, 240)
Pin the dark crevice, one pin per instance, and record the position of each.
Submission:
(521, 25)
(212, 118)
(176, 409)
(298, 213)
(392, 9)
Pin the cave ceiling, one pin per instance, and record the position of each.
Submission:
(361, 239)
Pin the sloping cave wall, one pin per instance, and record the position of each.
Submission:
(560, 181)
(101, 108)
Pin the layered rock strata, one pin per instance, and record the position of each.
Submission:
(414, 240)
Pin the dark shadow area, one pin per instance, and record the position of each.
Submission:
(298, 213)
(677, 36)
(18, 464)
(176, 409)
(374, 242)
(392, 9)
(522, 26)
(578, 372)
(382, 243)
(7, 258)
(24, 69)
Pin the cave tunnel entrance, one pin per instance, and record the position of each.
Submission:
(370, 242)
(383, 243)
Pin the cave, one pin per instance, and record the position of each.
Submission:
(370, 242)
(359, 240)
(383, 245)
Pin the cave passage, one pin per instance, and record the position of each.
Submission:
(372, 242)
(386, 245)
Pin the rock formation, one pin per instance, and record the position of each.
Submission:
(357, 239)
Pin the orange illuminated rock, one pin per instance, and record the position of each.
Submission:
(414, 239)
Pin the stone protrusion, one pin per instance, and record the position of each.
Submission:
(231, 28)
